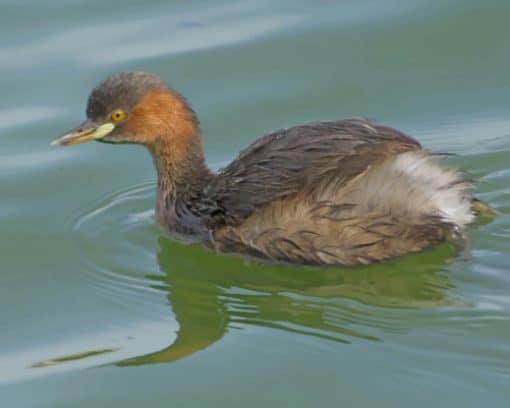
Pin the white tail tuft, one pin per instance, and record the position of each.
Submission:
(434, 189)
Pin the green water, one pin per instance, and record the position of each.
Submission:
(98, 309)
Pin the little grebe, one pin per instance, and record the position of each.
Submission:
(343, 192)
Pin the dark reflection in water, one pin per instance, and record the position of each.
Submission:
(211, 293)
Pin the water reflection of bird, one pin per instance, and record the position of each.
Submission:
(230, 293)
(343, 192)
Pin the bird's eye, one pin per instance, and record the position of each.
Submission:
(117, 115)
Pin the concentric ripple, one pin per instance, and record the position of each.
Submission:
(117, 205)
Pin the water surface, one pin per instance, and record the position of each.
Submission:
(98, 308)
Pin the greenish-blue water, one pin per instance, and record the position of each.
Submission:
(97, 308)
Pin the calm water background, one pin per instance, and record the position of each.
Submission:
(97, 308)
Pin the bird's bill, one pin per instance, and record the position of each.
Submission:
(88, 130)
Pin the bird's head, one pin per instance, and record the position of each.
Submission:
(134, 107)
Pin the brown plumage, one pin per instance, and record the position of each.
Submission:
(341, 192)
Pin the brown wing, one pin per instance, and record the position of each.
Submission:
(295, 160)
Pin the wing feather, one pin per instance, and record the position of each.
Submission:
(295, 160)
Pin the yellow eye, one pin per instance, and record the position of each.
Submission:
(117, 115)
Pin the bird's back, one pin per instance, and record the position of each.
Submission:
(345, 192)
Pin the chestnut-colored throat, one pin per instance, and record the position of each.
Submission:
(168, 127)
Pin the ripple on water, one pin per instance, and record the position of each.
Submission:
(119, 227)
(116, 205)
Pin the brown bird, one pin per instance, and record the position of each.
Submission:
(343, 192)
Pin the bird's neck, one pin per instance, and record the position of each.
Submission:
(182, 176)
(181, 170)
